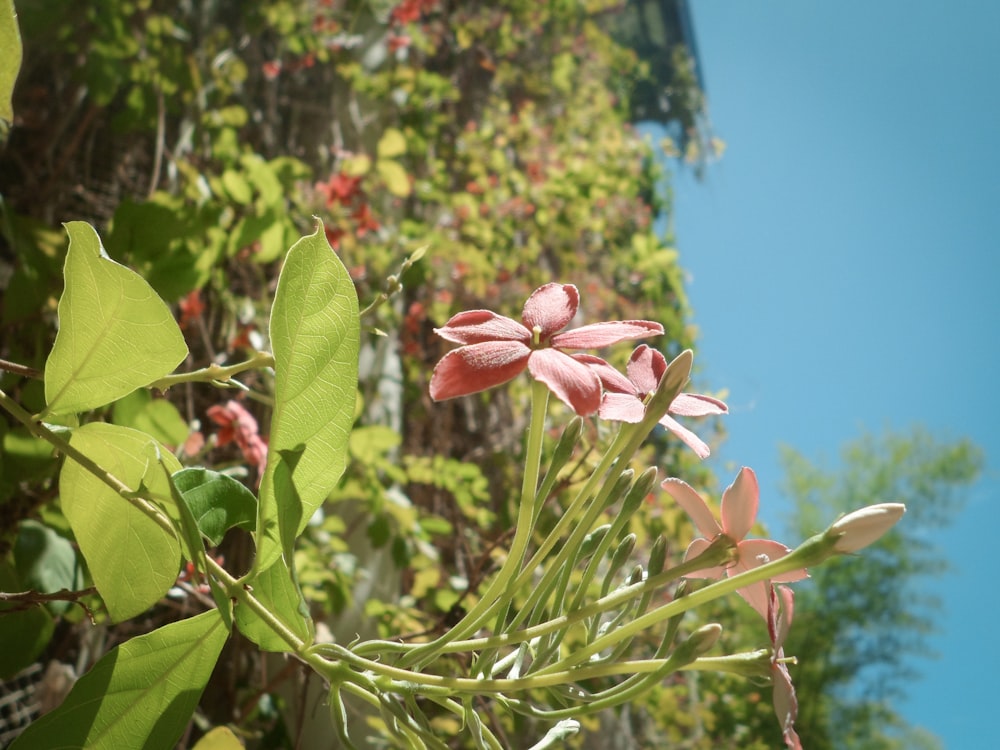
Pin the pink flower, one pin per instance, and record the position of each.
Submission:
(495, 349)
(740, 501)
(624, 398)
(239, 426)
(779, 621)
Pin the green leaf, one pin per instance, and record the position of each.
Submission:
(315, 333)
(157, 417)
(115, 333)
(46, 562)
(10, 60)
(275, 589)
(132, 559)
(140, 694)
(217, 501)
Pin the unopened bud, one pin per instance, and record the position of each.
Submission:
(862, 527)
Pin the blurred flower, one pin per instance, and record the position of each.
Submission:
(862, 527)
(239, 426)
(780, 606)
(624, 398)
(495, 349)
(739, 511)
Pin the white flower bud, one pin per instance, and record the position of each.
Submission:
(860, 528)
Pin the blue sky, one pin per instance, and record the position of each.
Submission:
(844, 259)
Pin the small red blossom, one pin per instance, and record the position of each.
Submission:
(740, 502)
(239, 426)
(366, 221)
(191, 308)
(495, 349)
(398, 41)
(271, 69)
(624, 398)
(340, 188)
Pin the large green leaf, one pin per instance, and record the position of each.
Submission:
(115, 333)
(46, 562)
(132, 559)
(139, 695)
(10, 58)
(315, 335)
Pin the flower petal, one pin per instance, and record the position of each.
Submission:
(477, 326)
(739, 504)
(574, 383)
(599, 335)
(621, 407)
(694, 506)
(755, 552)
(551, 307)
(477, 367)
(611, 379)
(645, 368)
(696, 405)
(691, 440)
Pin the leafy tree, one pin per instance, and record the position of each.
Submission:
(859, 625)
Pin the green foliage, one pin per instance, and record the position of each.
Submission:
(870, 618)
(115, 333)
(315, 335)
(140, 694)
(112, 533)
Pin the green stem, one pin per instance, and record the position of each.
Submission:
(216, 373)
(795, 560)
(499, 588)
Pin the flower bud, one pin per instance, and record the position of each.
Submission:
(862, 527)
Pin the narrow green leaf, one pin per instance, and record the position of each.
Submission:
(139, 695)
(132, 560)
(10, 58)
(115, 333)
(276, 589)
(315, 334)
(217, 501)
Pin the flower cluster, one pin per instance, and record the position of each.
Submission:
(237, 425)
(495, 349)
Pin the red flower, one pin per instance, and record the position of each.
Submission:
(191, 308)
(340, 188)
(495, 349)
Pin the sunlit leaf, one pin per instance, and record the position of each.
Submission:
(115, 333)
(131, 558)
(10, 59)
(276, 590)
(315, 336)
(140, 694)
(157, 417)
